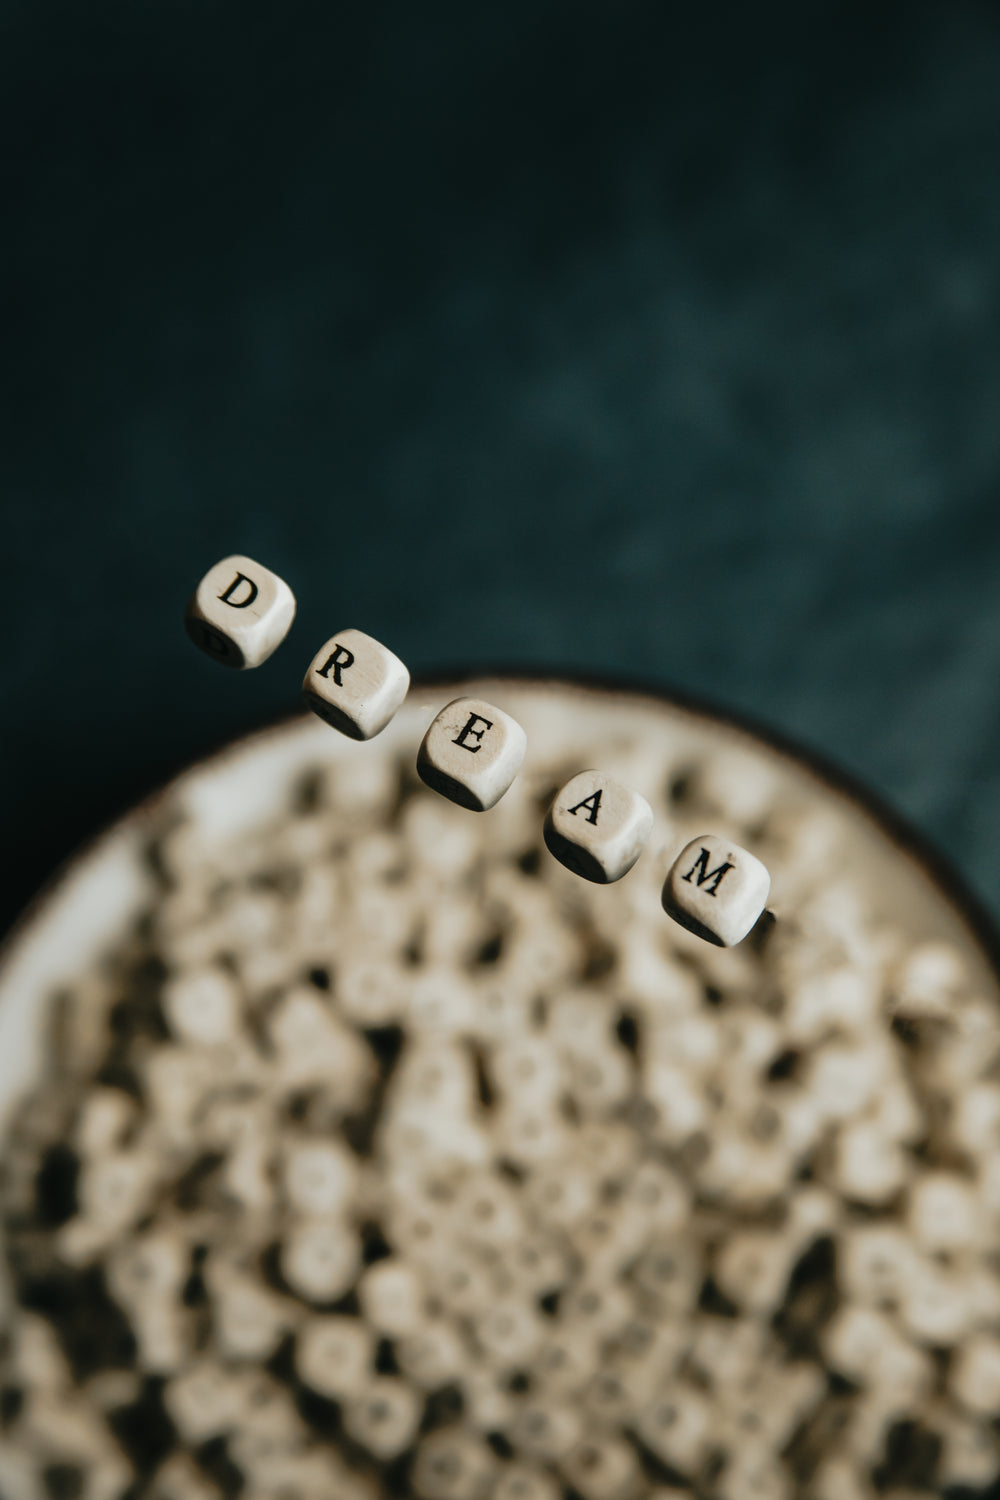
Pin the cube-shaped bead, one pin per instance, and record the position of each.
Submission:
(716, 890)
(471, 753)
(356, 684)
(597, 828)
(240, 612)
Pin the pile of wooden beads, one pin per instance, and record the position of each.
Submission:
(384, 1158)
(241, 612)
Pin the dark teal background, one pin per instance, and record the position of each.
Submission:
(640, 338)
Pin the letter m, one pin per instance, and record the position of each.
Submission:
(705, 874)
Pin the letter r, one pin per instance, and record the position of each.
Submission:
(338, 661)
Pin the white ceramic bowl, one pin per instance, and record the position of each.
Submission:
(648, 740)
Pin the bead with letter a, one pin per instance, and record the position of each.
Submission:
(597, 828)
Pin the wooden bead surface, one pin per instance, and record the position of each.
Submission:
(597, 828)
(383, 1417)
(471, 753)
(334, 1355)
(716, 890)
(355, 684)
(240, 612)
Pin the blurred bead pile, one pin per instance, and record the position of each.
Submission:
(385, 1158)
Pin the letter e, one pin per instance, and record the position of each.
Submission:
(477, 734)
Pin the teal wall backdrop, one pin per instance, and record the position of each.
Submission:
(639, 338)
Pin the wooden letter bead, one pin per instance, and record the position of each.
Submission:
(716, 890)
(240, 612)
(355, 684)
(597, 828)
(471, 753)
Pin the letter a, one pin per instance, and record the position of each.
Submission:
(239, 603)
(593, 802)
(701, 865)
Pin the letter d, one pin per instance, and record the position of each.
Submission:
(239, 603)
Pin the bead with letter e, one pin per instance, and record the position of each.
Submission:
(716, 890)
(597, 828)
(471, 753)
(240, 612)
(356, 684)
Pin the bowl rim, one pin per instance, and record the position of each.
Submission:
(945, 876)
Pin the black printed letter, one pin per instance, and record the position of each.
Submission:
(239, 603)
(704, 873)
(477, 734)
(213, 642)
(593, 802)
(339, 660)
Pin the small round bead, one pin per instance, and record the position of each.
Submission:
(321, 1177)
(202, 1006)
(392, 1298)
(319, 1259)
(602, 1468)
(453, 1465)
(334, 1355)
(383, 1417)
(974, 1376)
